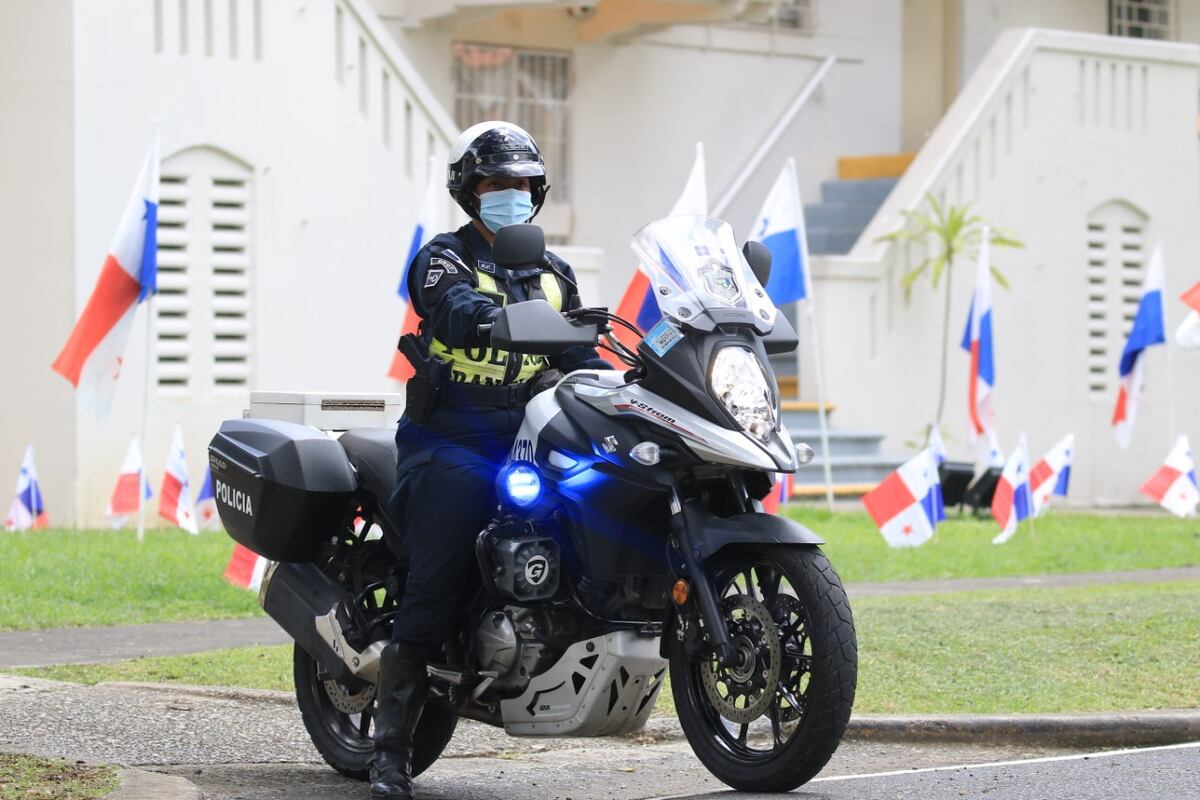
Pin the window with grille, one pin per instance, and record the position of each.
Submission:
(1116, 248)
(172, 326)
(202, 312)
(792, 15)
(1142, 19)
(530, 88)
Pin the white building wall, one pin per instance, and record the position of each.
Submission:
(332, 203)
(36, 245)
(1041, 137)
(641, 101)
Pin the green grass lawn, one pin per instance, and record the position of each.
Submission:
(1103, 648)
(57, 578)
(69, 578)
(1058, 542)
(29, 778)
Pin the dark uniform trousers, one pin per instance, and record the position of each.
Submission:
(446, 472)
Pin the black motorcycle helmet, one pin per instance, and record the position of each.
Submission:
(495, 148)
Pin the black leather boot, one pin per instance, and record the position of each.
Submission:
(403, 684)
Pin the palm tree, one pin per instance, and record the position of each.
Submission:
(954, 231)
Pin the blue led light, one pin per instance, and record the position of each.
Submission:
(523, 484)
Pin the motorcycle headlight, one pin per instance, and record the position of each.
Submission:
(739, 381)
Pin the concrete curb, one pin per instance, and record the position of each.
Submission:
(1116, 729)
(1108, 729)
(138, 784)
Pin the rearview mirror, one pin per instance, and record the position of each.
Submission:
(759, 258)
(534, 327)
(519, 246)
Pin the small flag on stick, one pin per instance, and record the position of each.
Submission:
(1052, 475)
(907, 505)
(1174, 486)
(780, 493)
(124, 501)
(175, 500)
(1012, 502)
(206, 504)
(27, 509)
(1148, 330)
(977, 340)
(245, 568)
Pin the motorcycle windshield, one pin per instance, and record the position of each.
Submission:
(694, 264)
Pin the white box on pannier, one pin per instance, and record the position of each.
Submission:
(328, 411)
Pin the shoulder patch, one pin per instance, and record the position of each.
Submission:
(441, 262)
(488, 267)
(433, 276)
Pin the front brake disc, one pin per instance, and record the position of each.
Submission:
(749, 685)
(346, 701)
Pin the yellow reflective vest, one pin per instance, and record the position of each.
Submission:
(489, 366)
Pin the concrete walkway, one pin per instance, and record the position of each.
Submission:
(118, 643)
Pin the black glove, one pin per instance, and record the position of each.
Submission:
(546, 379)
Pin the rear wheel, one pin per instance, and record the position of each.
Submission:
(770, 721)
(340, 720)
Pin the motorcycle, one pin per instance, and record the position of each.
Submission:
(628, 542)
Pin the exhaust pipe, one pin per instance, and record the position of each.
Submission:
(308, 606)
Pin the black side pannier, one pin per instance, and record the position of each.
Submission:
(281, 488)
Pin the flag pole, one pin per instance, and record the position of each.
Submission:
(147, 241)
(810, 312)
(143, 481)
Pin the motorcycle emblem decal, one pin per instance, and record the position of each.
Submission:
(433, 276)
(441, 262)
(720, 282)
(537, 569)
(662, 337)
(533, 703)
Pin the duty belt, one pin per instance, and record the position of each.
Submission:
(472, 394)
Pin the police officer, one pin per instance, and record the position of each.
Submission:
(464, 407)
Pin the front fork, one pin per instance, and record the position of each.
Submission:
(700, 583)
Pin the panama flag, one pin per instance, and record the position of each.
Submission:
(1148, 329)
(428, 224)
(124, 500)
(175, 498)
(27, 509)
(1052, 475)
(908, 504)
(977, 340)
(1012, 502)
(780, 493)
(1174, 485)
(91, 359)
(780, 226)
(245, 568)
(638, 304)
(206, 504)
(1187, 335)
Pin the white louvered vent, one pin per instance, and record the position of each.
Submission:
(230, 240)
(172, 306)
(1116, 240)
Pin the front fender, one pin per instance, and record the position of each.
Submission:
(709, 533)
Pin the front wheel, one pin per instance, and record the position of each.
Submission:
(770, 721)
(340, 721)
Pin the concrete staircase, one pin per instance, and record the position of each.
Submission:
(846, 206)
(857, 463)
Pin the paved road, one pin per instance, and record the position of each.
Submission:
(96, 645)
(249, 748)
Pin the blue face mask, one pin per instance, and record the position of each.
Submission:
(504, 207)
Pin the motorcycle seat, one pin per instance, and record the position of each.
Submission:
(372, 453)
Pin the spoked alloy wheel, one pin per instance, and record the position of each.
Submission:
(771, 719)
(340, 721)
